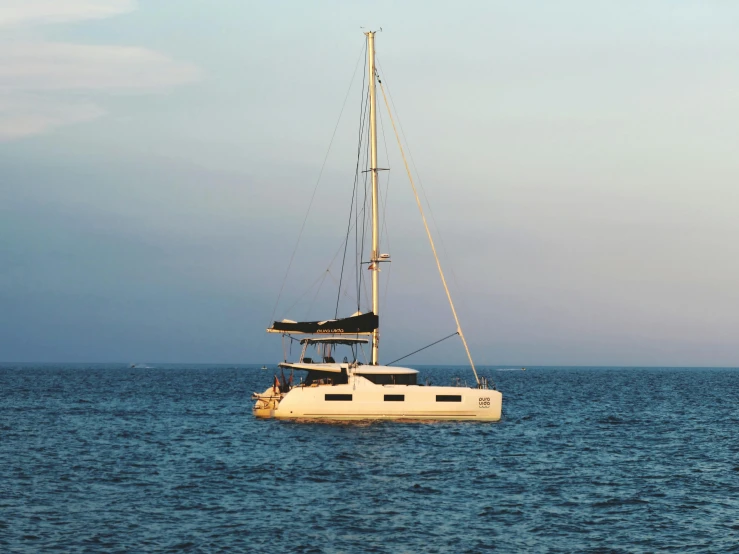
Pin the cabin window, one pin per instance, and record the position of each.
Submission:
(448, 398)
(395, 398)
(390, 379)
(339, 397)
(326, 378)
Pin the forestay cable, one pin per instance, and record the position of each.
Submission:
(437, 229)
(428, 233)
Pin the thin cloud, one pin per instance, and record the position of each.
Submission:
(30, 12)
(39, 79)
(48, 66)
(23, 115)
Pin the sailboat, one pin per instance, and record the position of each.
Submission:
(353, 390)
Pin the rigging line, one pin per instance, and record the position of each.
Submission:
(359, 250)
(346, 293)
(384, 212)
(413, 161)
(361, 347)
(332, 276)
(315, 188)
(424, 348)
(367, 226)
(423, 190)
(386, 286)
(310, 288)
(357, 267)
(362, 107)
(346, 244)
(428, 233)
(320, 286)
(415, 168)
(365, 219)
(321, 276)
(387, 280)
(359, 242)
(358, 230)
(387, 183)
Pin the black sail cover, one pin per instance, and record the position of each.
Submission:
(362, 324)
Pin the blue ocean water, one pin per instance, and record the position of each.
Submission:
(105, 458)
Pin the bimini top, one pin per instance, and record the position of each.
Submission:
(332, 340)
(358, 324)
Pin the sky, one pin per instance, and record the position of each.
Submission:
(157, 159)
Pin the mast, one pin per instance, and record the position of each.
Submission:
(374, 265)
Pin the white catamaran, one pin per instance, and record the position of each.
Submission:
(350, 389)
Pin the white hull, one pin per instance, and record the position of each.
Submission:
(364, 400)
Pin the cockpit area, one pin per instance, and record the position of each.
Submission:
(326, 350)
(318, 358)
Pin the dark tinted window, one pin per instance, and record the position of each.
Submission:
(394, 397)
(338, 397)
(327, 378)
(448, 398)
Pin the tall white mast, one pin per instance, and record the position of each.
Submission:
(375, 257)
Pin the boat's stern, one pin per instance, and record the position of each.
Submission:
(266, 403)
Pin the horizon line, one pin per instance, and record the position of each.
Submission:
(422, 365)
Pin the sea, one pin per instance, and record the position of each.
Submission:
(168, 458)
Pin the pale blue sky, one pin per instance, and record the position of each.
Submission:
(156, 160)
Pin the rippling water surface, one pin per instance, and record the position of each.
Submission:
(104, 458)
